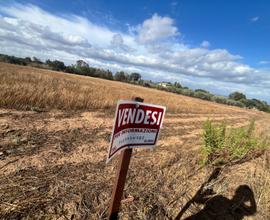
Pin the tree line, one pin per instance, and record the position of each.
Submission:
(82, 68)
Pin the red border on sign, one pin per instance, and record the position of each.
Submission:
(143, 145)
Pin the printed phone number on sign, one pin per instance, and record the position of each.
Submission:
(144, 137)
(129, 139)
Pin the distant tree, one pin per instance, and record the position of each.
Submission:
(88, 71)
(81, 63)
(36, 60)
(219, 99)
(105, 74)
(82, 68)
(201, 90)
(255, 103)
(12, 59)
(234, 103)
(203, 95)
(177, 85)
(141, 82)
(121, 76)
(71, 69)
(56, 65)
(237, 96)
(108, 75)
(188, 92)
(135, 77)
(27, 60)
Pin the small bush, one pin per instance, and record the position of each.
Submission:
(226, 101)
(202, 95)
(241, 141)
(219, 99)
(214, 139)
(235, 103)
(187, 92)
(222, 145)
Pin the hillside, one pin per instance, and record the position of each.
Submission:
(55, 130)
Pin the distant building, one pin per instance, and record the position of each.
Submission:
(165, 84)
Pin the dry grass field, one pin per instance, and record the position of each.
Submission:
(54, 134)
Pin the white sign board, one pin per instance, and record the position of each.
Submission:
(136, 124)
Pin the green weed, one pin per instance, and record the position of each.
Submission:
(222, 145)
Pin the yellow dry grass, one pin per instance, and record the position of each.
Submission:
(52, 164)
(27, 87)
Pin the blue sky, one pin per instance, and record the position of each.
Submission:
(221, 46)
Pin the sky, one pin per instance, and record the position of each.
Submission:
(221, 46)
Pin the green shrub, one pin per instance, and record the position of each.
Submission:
(237, 96)
(235, 103)
(214, 139)
(241, 141)
(219, 99)
(226, 101)
(187, 92)
(202, 95)
(222, 145)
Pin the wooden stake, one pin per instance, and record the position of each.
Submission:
(119, 183)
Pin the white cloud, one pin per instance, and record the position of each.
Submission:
(205, 44)
(156, 28)
(69, 24)
(264, 62)
(254, 19)
(118, 43)
(117, 40)
(150, 48)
